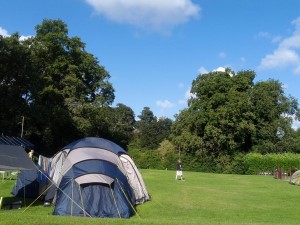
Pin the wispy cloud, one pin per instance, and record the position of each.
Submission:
(157, 15)
(296, 124)
(189, 95)
(181, 85)
(269, 36)
(222, 55)
(281, 57)
(263, 34)
(164, 104)
(202, 70)
(219, 69)
(3, 32)
(23, 38)
(287, 52)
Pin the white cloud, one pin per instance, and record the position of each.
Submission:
(189, 95)
(276, 39)
(291, 42)
(3, 32)
(296, 124)
(23, 38)
(296, 23)
(202, 70)
(287, 52)
(219, 69)
(165, 104)
(182, 102)
(285, 86)
(267, 35)
(157, 15)
(281, 57)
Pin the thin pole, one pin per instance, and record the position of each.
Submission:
(22, 126)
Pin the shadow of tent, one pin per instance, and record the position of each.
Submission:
(17, 202)
(10, 203)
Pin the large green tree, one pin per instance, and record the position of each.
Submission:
(152, 130)
(230, 114)
(55, 83)
(15, 83)
(273, 117)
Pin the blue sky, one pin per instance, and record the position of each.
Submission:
(154, 49)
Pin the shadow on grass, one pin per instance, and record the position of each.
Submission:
(9, 203)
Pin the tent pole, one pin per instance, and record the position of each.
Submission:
(24, 191)
(66, 195)
(72, 197)
(127, 198)
(38, 197)
(81, 199)
(112, 193)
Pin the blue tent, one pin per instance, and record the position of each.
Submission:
(30, 184)
(90, 180)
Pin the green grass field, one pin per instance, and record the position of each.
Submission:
(202, 198)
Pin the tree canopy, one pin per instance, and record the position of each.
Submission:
(231, 114)
(60, 89)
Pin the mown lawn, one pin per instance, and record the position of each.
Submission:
(201, 199)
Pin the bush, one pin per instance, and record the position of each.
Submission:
(257, 162)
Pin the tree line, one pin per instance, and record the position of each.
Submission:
(64, 93)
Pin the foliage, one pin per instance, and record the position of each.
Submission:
(167, 155)
(59, 88)
(257, 162)
(15, 83)
(151, 131)
(146, 159)
(231, 115)
(220, 115)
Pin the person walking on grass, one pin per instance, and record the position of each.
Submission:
(179, 175)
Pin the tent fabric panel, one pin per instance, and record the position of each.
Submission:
(135, 179)
(97, 201)
(30, 183)
(26, 185)
(5, 140)
(94, 178)
(82, 154)
(56, 165)
(295, 178)
(95, 142)
(15, 158)
(94, 167)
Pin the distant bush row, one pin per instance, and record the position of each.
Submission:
(269, 162)
(252, 163)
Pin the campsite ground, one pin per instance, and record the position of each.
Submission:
(201, 198)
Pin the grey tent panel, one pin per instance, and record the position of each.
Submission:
(4, 140)
(15, 158)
